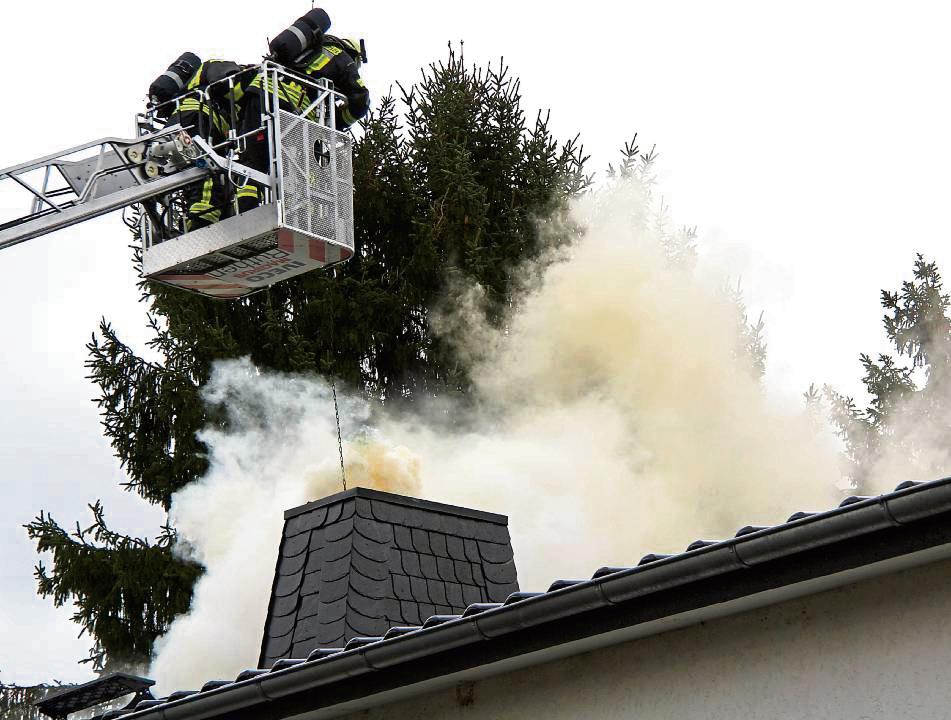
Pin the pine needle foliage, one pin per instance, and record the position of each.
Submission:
(908, 413)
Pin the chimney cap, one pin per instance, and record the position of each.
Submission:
(395, 499)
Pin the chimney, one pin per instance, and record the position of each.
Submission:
(361, 561)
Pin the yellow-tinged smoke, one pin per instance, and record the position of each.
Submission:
(613, 417)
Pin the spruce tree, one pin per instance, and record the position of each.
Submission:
(457, 191)
(908, 391)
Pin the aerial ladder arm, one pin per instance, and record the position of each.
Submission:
(64, 191)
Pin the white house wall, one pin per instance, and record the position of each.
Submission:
(880, 648)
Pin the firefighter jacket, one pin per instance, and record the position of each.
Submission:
(334, 63)
(221, 103)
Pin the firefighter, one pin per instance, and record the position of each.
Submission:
(290, 44)
(339, 60)
(208, 109)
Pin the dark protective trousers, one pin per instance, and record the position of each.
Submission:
(205, 201)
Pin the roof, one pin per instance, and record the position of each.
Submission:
(358, 562)
(863, 532)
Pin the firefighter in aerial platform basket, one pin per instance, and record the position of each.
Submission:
(206, 107)
(307, 48)
(339, 60)
(290, 44)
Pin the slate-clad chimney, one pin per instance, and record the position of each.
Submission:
(361, 561)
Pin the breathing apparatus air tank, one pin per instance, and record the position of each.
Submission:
(304, 35)
(172, 82)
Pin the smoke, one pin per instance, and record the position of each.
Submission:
(279, 451)
(613, 416)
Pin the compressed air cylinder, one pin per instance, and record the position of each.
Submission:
(304, 34)
(173, 81)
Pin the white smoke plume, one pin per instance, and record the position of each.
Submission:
(612, 418)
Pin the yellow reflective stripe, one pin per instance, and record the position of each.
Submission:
(247, 191)
(319, 62)
(361, 83)
(204, 211)
(196, 78)
(191, 104)
(206, 189)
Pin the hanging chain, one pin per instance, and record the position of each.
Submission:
(343, 472)
(333, 390)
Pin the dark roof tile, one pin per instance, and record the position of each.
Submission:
(699, 545)
(333, 513)
(295, 545)
(499, 574)
(285, 663)
(347, 510)
(403, 537)
(454, 595)
(370, 549)
(374, 531)
(477, 608)
(338, 531)
(410, 561)
(472, 594)
(311, 584)
(410, 612)
(427, 610)
(283, 605)
(437, 591)
(799, 516)
(306, 629)
(309, 605)
(605, 571)
(282, 625)
(359, 642)
(292, 565)
(419, 589)
(400, 631)
(278, 645)
(477, 575)
(332, 633)
(455, 548)
(334, 590)
(446, 570)
(437, 541)
(497, 592)
(748, 529)
(562, 584)
(214, 685)
(495, 553)
(905, 485)
(248, 674)
(519, 596)
(287, 584)
(323, 653)
(852, 499)
(401, 587)
(427, 564)
(652, 557)
(363, 507)
(472, 550)
(332, 611)
(464, 572)
(421, 541)
(335, 569)
(434, 620)
(368, 587)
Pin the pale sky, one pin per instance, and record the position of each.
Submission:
(808, 142)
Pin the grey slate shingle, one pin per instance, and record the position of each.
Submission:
(362, 561)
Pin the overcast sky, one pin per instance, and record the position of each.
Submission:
(808, 142)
